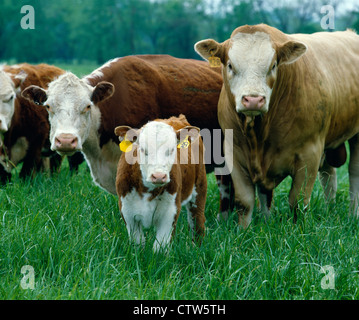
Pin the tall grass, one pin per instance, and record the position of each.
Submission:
(72, 234)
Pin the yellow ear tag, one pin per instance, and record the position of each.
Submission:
(125, 145)
(214, 62)
(183, 144)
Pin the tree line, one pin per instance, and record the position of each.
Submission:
(98, 30)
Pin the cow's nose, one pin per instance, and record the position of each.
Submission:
(253, 102)
(158, 178)
(66, 142)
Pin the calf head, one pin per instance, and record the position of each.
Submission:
(250, 61)
(157, 144)
(9, 86)
(69, 102)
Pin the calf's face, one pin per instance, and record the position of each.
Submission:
(157, 153)
(250, 62)
(69, 102)
(156, 149)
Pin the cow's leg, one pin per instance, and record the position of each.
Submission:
(303, 182)
(32, 163)
(226, 195)
(265, 201)
(244, 195)
(165, 224)
(328, 180)
(354, 174)
(195, 214)
(75, 161)
(55, 162)
(5, 176)
(135, 232)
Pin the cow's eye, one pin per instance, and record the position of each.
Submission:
(86, 109)
(10, 99)
(274, 66)
(230, 66)
(144, 151)
(169, 152)
(48, 108)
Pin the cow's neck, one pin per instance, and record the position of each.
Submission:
(102, 159)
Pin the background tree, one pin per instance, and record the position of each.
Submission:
(95, 31)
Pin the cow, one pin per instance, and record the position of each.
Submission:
(163, 171)
(292, 102)
(83, 113)
(24, 126)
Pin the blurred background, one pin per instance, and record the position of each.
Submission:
(94, 31)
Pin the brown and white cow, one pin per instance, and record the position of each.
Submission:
(290, 99)
(24, 126)
(83, 113)
(163, 171)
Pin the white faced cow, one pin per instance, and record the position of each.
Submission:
(292, 101)
(83, 113)
(24, 126)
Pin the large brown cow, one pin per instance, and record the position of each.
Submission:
(131, 90)
(289, 100)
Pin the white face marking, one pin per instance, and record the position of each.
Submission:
(157, 145)
(69, 102)
(7, 101)
(249, 60)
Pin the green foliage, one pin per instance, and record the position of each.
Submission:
(98, 30)
(72, 234)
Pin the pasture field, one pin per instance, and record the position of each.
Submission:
(72, 235)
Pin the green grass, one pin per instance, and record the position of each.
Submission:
(72, 234)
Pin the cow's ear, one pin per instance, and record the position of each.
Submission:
(18, 80)
(209, 48)
(102, 91)
(189, 133)
(290, 52)
(127, 132)
(35, 94)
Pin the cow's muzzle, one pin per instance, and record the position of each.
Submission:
(66, 143)
(253, 104)
(159, 178)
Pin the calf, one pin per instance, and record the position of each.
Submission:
(158, 175)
